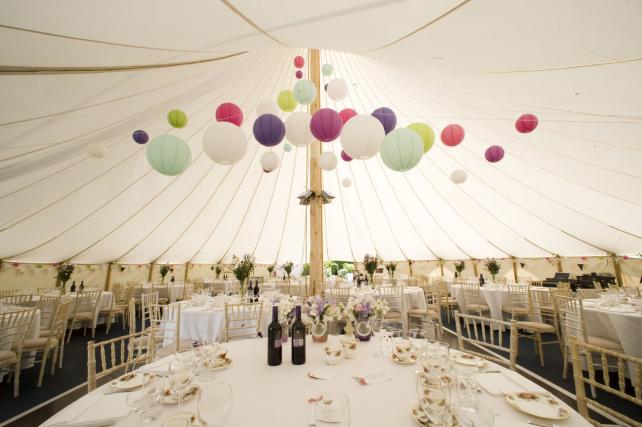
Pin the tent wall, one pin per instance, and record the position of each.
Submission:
(631, 271)
(536, 268)
(31, 276)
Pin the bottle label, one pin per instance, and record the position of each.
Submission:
(277, 342)
(298, 342)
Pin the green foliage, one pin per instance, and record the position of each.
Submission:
(65, 271)
(370, 263)
(493, 266)
(164, 269)
(243, 267)
(306, 269)
(287, 267)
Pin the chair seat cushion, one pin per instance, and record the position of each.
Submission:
(393, 315)
(477, 307)
(84, 316)
(536, 326)
(7, 356)
(605, 343)
(31, 343)
(421, 312)
(45, 332)
(519, 310)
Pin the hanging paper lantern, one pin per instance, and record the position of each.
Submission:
(96, 150)
(328, 161)
(140, 136)
(494, 153)
(526, 123)
(346, 114)
(326, 125)
(177, 119)
(229, 112)
(402, 149)
(426, 133)
(387, 117)
(362, 136)
(286, 101)
(269, 161)
(297, 129)
(224, 142)
(168, 154)
(298, 74)
(327, 69)
(287, 147)
(459, 176)
(268, 130)
(346, 182)
(267, 106)
(337, 89)
(299, 62)
(452, 135)
(345, 156)
(305, 92)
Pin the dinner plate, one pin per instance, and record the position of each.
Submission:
(538, 405)
(412, 359)
(130, 381)
(468, 359)
(218, 364)
(179, 419)
(167, 398)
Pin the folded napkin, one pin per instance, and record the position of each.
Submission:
(506, 382)
(159, 367)
(93, 410)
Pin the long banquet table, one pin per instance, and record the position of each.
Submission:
(278, 396)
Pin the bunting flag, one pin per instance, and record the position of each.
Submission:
(581, 266)
(522, 264)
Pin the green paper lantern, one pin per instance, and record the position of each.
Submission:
(287, 148)
(402, 149)
(286, 101)
(327, 69)
(426, 133)
(168, 154)
(177, 119)
(305, 92)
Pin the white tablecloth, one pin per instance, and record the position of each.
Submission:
(495, 296)
(613, 325)
(413, 296)
(278, 396)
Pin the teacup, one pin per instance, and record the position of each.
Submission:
(349, 348)
(332, 354)
(402, 349)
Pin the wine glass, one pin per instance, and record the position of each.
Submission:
(378, 331)
(333, 409)
(215, 404)
(180, 378)
(480, 417)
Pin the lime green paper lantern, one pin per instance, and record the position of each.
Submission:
(168, 154)
(402, 149)
(177, 119)
(327, 69)
(286, 101)
(305, 92)
(425, 132)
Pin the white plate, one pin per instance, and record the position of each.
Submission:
(167, 398)
(218, 366)
(178, 420)
(130, 381)
(468, 359)
(541, 406)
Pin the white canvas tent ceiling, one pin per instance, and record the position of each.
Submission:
(78, 72)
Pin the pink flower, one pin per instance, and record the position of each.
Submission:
(358, 307)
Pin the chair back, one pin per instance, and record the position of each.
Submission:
(14, 324)
(119, 294)
(9, 292)
(584, 374)
(489, 334)
(127, 353)
(243, 320)
(131, 313)
(167, 326)
(471, 294)
(58, 323)
(393, 296)
(48, 307)
(163, 292)
(86, 302)
(218, 288)
(340, 295)
(149, 303)
(18, 300)
(589, 293)
(519, 303)
(571, 314)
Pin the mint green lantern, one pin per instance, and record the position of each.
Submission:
(305, 92)
(425, 132)
(168, 154)
(286, 101)
(287, 148)
(177, 119)
(327, 69)
(402, 149)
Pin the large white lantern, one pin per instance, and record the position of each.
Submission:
(269, 161)
(328, 161)
(96, 149)
(267, 106)
(225, 143)
(297, 129)
(337, 89)
(361, 136)
(459, 176)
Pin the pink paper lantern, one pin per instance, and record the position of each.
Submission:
(494, 153)
(346, 114)
(526, 123)
(452, 135)
(345, 156)
(229, 112)
(326, 125)
(299, 62)
(299, 74)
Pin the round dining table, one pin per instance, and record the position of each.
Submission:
(621, 323)
(495, 297)
(279, 396)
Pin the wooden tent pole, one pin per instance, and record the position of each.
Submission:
(515, 270)
(187, 265)
(108, 279)
(151, 270)
(559, 265)
(410, 267)
(618, 270)
(441, 267)
(316, 185)
(475, 268)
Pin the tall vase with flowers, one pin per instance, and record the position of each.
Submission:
(319, 311)
(287, 267)
(459, 267)
(493, 266)
(242, 269)
(64, 274)
(270, 270)
(390, 268)
(359, 309)
(370, 263)
(218, 269)
(164, 269)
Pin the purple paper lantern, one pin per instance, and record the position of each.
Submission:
(494, 153)
(268, 130)
(326, 125)
(140, 136)
(387, 117)
(345, 156)
(298, 74)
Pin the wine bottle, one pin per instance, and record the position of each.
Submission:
(256, 290)
(82, 285)
(73, 287)
(275, 351)
(298, 339)
(173, 280)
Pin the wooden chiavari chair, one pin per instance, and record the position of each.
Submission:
(14, 325)
(149, 302)
(118, 306)
(394, 297)
(445, 299)
(86, 311)
(487, 333)
(585, 293)
(166, 322)
(239, 318)
(517, 307)
(163, 293)
(340, 295)
(48, 307)
(473, 300)
(18, 300)
(433, 308)
(9, 292)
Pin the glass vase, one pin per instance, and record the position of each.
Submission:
(319, 331)
(362, 329)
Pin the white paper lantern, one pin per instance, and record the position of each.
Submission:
(297, 129)
(328, 161)
(346, 182)
(225, 143)
(96, 150)
(269, 161)
(459, 176)
(361, 136)
(267, 106)
(337, 89)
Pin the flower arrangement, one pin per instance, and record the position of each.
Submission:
(64, 274)
(287, 267)
(364, 306)
(391, 267)
(270, 269)
(165, 268)
(459, 267)
(318, 308)
(242, 268)
(370, 263)
(218, 269)
(286, 306)
(493, 267)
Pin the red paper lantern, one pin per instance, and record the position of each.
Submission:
(346, 114)
(494, 153)
(229, 112)
(299, 74)
(452, 135)
(526, 123)
(299, 62)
